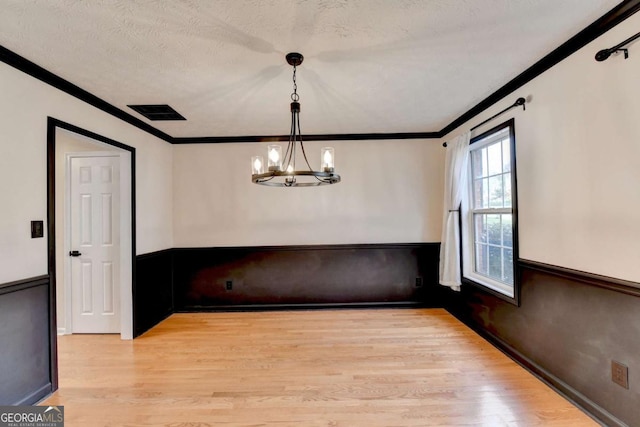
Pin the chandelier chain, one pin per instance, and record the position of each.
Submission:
(294, 96)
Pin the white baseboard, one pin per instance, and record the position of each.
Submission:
(62, 331)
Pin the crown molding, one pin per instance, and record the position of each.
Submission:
(46, 76)
(612, 18)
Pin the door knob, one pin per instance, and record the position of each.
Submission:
(74, 253)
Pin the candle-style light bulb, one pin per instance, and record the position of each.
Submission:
(290, 180)
(274, 156)
(327, 159)
(257, 165)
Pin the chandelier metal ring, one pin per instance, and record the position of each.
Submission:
(324, 178)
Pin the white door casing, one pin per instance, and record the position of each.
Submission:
(95, 234)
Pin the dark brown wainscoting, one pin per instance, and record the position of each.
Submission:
(25, 345)
(152, 290)
(305, 276)
(569, 327)
(283, 277)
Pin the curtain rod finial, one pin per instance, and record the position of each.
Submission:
(603, 55)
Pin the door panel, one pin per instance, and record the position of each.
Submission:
(95, 184)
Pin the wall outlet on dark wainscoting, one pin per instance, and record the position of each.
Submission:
(620, 374)
(418, 282)
(229, 285)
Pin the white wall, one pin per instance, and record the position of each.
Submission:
(578, 148)
(24, 106)
(391, 192)
(578, 160)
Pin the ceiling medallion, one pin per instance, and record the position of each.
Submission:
(281, 170)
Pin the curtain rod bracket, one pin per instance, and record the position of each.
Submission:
(626, 53)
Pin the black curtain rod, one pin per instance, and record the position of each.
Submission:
(520, 101)
(605, 53)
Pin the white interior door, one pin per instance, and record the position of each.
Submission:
(95, 244)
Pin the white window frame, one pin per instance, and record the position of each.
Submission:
(500, 289)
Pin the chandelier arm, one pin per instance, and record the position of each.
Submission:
(294, 118)
(292, 138)
(287, 155)
(286, 158)
(297, 124)
(293, 144)
(304, 153)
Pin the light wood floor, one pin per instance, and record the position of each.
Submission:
(385, 367)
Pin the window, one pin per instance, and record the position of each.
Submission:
(489, 215)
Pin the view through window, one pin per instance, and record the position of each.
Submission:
(489, 213)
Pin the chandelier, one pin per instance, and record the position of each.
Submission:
(281, 169)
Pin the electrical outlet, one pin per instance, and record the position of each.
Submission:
(418, 282)
(229, 285)
(620, 374)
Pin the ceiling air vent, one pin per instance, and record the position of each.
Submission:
(157, 112)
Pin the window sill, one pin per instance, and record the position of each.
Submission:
(515, 300)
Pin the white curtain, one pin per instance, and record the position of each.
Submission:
(455, 185)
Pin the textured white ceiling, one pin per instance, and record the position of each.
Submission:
(370, 65)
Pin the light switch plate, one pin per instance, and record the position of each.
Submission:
(37, 229)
